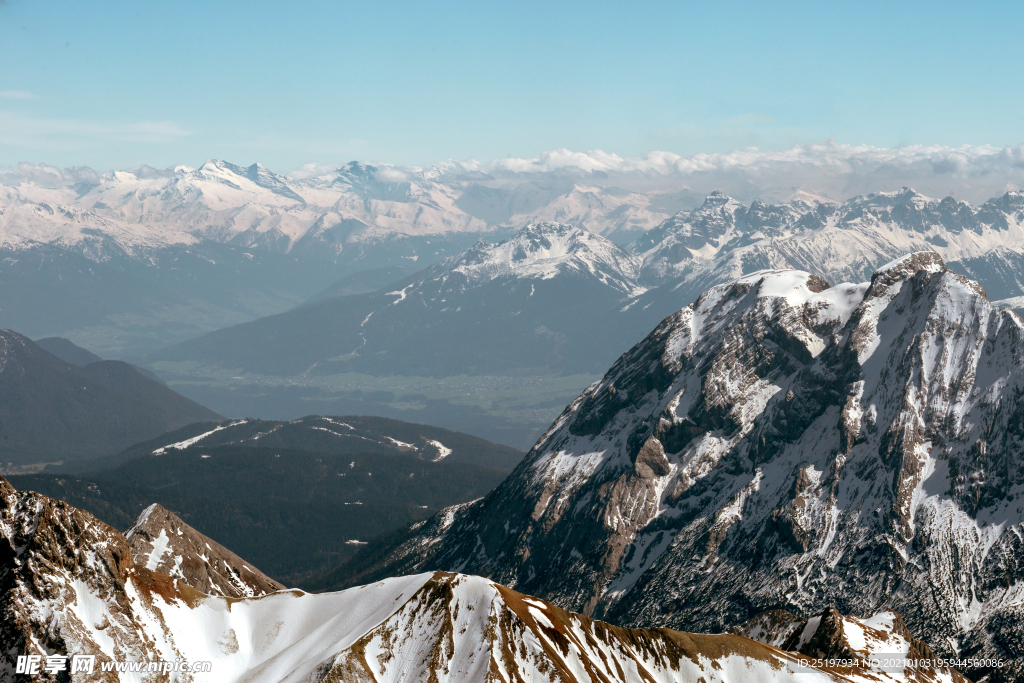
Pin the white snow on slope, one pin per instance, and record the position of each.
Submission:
(442, 450)
(392, 628)
(544, 251)
(158, 552)
(182, 445)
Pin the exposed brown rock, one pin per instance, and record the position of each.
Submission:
(162, 542)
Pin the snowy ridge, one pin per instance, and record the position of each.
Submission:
(160, 541)
(543, 252)
(332, 432)
(182, 445)
(882, 637)
(537, 252)
(224, 202)
(841, 242)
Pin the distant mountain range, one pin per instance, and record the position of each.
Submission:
(529, 304)
(126, 262)
(101, 596)
(779, 443)
(51, 410)
(69, 352)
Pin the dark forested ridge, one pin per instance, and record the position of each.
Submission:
(296, 498)
(292, 513)
(52, 410)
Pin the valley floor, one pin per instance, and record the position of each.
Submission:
(510, 410)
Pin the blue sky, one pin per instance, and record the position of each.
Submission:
(118, 84)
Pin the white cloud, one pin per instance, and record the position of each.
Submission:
(17, 95)
(313, 170)
(827, 155)
(831, 169)
(391, 175)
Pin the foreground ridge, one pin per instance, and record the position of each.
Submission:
(70, 586)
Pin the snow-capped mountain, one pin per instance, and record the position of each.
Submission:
(523, 304)
(160, 541)
(841, 242)
(779, 442)
(70, 586)
(315, 216)
(541, 252)
(723, 239)
(223, 202)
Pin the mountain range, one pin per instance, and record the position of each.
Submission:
(527, 305)
(779, 443)
(73, 585)
(125, 262)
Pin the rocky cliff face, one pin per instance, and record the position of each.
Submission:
(780, 442)
(161, 542)
(68, 585)
(831, 635)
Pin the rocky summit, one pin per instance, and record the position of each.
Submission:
(161, 542)
(781, 442)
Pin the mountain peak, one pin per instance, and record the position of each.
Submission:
(716, 199)
(909, 264)
(162, 542)
(852, 436)
(542, 251)
(212, 165)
